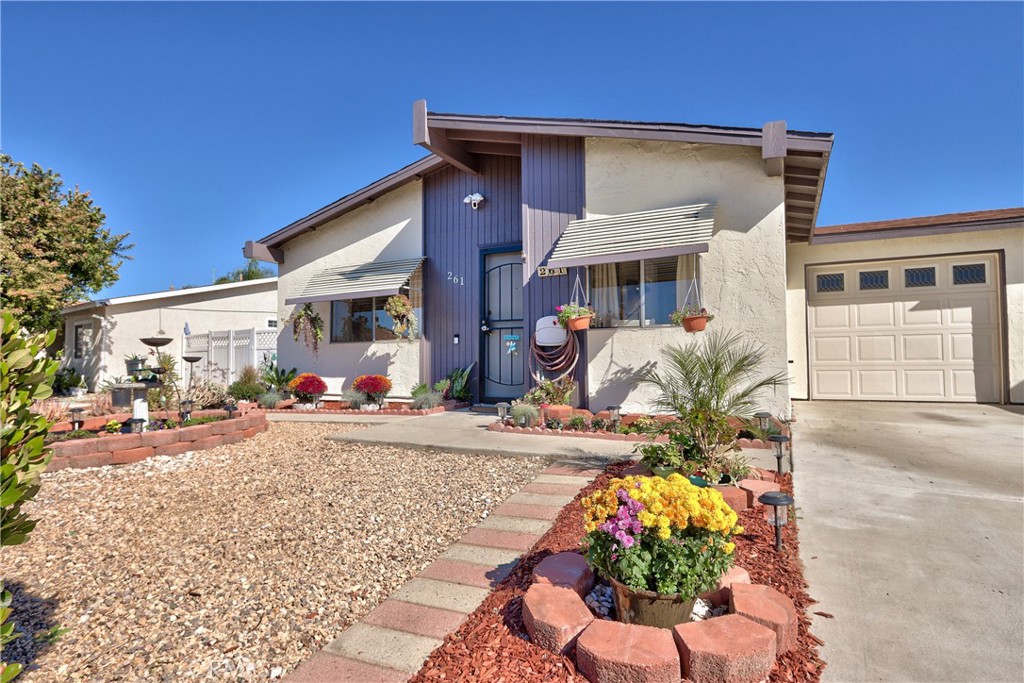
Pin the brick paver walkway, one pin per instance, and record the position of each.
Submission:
(391, 643)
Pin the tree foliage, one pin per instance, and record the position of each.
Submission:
(26, 376)
(54, 245)
(252, 270)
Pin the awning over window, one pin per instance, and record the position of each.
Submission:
(380, 278)
(635, 236)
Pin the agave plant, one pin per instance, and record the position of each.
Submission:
(706, 383)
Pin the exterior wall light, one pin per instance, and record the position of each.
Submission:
(502, 411)
(763, 419)
(185, 410)
(780, 441)
(776, 512)
(474, 200)
(76, 418)
(135, 424)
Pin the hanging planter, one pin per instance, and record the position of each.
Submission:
(574, 317)
(400, 308)
(691, 318)
(307, 324)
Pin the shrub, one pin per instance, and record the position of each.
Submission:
(374, 386)
(249, 375)
(356, 399)
(278, 379)
(599, 424)
(553, 423)
(551, 392)
(67, 378)
(78, 434)
(428, 400)
(100, 404)
(443, 387)
(659, 455)
(525, 415)
(27, 376)
(246, 391)
(683, 548)
(166, 395)
(578, 423)
(207, 394)
(419, 390)
(52, 410)
(269, 400)
(171, 423)
(644, 425)
(193, 421)
(308, 387)
(459, 383)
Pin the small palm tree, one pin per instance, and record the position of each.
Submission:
(707, 383)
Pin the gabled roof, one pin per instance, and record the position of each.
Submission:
(169, 294)
(922, 225)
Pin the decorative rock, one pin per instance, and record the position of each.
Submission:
(613, 652)
(565, 569)
(734, 497)
(768, 607)
(729, 649)
(720, 596)
(554, 616)
(600, 601)
(755, 487)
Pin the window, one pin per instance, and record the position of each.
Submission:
(831, 282)
(642, 293)
(969, 274)
(272, 323)
(83, 339)
(874, 279)
(365, 320)
(919, 277)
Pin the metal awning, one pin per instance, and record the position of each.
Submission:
(634, 236)
(379, 278)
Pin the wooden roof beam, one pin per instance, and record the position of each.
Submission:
(496, 148)
(773, 147)
(483, 136)
(434, 139)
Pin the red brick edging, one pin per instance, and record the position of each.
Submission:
(120, 449)
(603, 435)
(383, 411)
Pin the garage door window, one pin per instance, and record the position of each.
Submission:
(969, 274)
(831, 282)
(874, 279)
(919, 277)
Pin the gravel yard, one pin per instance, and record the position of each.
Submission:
(239, 562)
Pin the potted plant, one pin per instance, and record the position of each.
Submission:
(661, 458)
(307, 388)
(660, 543)
(81, 389)
(573, 316)
(691, 318)
(400, 308)
(374, 386)
(524, 415)
(134, 364)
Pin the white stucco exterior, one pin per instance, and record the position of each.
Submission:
(1009, 241)
(389, 229)
(119, 323)
(743, 272)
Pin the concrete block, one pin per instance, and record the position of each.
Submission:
(421, 620)
(554, 616)
(768, 607)
(569, 570)
(441, 594)
(726, 649)
(383, 647)
(516, 524)
(612, 652)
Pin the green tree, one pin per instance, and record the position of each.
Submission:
(54, 247)
(250, 271)
(26, 376)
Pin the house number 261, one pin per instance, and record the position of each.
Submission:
(456, 279)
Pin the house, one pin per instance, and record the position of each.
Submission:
(509, 217)
(98, 335)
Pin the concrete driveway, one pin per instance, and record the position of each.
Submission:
(912, 533)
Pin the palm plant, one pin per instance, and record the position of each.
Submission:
(706, 383)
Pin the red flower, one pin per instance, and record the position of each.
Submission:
(308, 385)
(372, 385)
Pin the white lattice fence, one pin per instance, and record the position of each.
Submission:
(225, 352)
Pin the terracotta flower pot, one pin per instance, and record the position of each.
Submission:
(577, 324)
(695, 323)
(648, 608)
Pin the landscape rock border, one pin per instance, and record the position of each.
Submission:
(740, 647)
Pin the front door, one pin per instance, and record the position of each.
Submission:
(503, 368)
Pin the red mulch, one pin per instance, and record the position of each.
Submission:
(492, 644)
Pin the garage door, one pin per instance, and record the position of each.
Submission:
(909, 330)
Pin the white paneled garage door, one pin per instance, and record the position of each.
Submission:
(908, 330)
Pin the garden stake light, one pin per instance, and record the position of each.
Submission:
(614, 414)
(231, 408)
(135, 425)
(76, 418)
(776, 512)
(502, 411)
(185, 411)
(763, 419)
(780, 440)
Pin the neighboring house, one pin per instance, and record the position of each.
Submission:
(640, 218)
(98, 335)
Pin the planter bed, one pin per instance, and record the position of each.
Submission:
(390, 410)
(119, 449)
(603, 434)
(494, 640)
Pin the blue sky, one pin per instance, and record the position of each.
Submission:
(198, 126)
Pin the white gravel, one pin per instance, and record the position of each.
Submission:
(239, 562)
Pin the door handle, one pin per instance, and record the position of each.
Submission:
(484, 327)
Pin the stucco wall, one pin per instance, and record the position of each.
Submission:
(117, 328)
(744, 274)
(389, 229)
(1011, 240)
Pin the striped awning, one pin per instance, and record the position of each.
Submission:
(379, 278)
(634, 236)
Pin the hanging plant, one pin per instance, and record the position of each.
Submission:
(400, 308)
(691, 318)
(307, 324)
